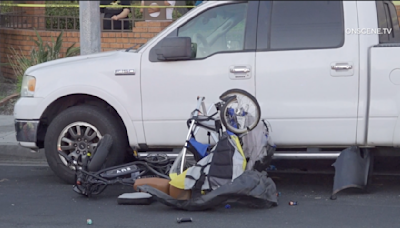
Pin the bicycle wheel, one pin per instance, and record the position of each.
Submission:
(233, 113)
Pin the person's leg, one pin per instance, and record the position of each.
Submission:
(117, 25)
(126, 24)
(107, 21)
(102, 20)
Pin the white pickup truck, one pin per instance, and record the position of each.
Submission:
(325, 74)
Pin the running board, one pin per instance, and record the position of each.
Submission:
(294, 155)
(277, 155)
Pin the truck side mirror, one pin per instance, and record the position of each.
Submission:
(174, 48)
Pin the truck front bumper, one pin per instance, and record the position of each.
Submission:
(26, 121)
(26, 131)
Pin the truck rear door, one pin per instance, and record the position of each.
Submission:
(308, 71)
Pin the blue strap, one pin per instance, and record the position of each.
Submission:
(200, 147)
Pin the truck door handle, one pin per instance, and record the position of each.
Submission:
(240, 70)
(341, 67)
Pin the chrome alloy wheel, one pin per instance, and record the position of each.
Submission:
(78, 140)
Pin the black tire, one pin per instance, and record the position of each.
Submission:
(226, 105)
(104, 122)
(102, 150)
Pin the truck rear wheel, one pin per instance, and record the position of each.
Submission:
(76, 131)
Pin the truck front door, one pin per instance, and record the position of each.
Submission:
(225, 38)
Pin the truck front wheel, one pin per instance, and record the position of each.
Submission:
(76, 131)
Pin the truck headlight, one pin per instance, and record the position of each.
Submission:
(28, 86)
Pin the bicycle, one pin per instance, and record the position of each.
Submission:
(92, 180)
(233, 119)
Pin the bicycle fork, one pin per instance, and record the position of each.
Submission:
(196, 112)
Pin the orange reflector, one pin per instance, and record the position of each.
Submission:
(32, 84)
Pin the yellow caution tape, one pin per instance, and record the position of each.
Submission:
(101, 6)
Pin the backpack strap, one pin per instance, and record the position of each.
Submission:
(196, 190)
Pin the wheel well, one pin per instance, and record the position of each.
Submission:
(65, 102)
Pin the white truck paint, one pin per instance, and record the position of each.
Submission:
(307, 103)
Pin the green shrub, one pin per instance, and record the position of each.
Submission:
(137, 13)
(6, 9)
(43, 52)
(58, 12)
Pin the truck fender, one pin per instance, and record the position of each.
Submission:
(97, 92)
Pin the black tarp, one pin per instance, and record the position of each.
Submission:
(252, 188)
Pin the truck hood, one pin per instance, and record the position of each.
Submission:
(79, 61)
(94, 70)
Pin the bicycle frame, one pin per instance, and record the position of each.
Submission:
(200, 103)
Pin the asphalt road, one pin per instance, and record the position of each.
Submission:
(32, 196)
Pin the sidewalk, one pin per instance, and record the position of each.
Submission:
(10, 151)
